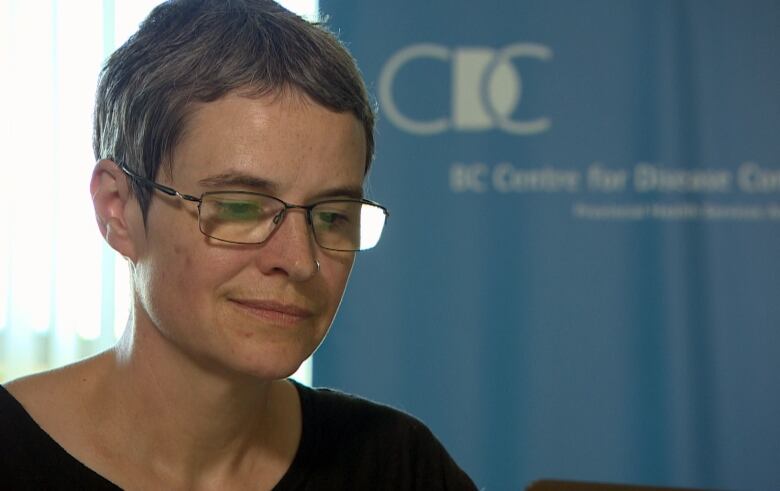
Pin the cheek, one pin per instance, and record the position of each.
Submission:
(182, 257)
(198, 268)
(183, 284)
(336, 273)
(181, 254)
(179, 262)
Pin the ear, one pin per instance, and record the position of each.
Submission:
(117, 212)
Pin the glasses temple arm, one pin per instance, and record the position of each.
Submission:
(165, 189)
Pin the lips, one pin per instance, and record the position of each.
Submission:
(272, 311)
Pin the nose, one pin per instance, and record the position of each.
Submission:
(291, 249)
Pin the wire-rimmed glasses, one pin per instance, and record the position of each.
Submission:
(244, 217)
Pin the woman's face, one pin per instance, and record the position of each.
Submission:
(254, 309)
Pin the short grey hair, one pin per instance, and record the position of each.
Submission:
(194, 51)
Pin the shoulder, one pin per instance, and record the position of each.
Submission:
(29, 457)
(57, 400)
(33, 390)
(44, 401)
(335, 403)
(50, 396)
(38, 420)
(21, 435)
(347, 414)
(13, 416)
(377, 442)
(34, 397)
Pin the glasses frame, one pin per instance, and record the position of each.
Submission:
(278, 219)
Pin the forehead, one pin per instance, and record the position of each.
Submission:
(284, 138)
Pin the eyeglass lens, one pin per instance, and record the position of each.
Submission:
(246, 218)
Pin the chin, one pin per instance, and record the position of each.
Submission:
(242, 345)
(269, 373)
(269, 362)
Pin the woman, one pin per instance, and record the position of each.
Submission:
(232, 140)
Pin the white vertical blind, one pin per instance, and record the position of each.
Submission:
(64, 294)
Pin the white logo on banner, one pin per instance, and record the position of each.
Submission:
(486, 88)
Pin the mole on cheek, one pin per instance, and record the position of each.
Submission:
(181, 253)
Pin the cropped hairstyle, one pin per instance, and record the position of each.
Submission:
(195, 51)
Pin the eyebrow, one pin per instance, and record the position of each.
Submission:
(228, 179)
(240, 179)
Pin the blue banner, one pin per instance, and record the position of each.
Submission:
(579, 278)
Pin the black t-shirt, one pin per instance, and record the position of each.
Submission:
(346, 443)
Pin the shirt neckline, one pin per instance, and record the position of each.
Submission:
(296, 473)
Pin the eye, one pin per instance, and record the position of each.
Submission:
(332, 219)
(239, 210)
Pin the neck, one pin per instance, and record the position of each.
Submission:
(186, 418)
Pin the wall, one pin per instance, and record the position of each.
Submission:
(579, 275)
